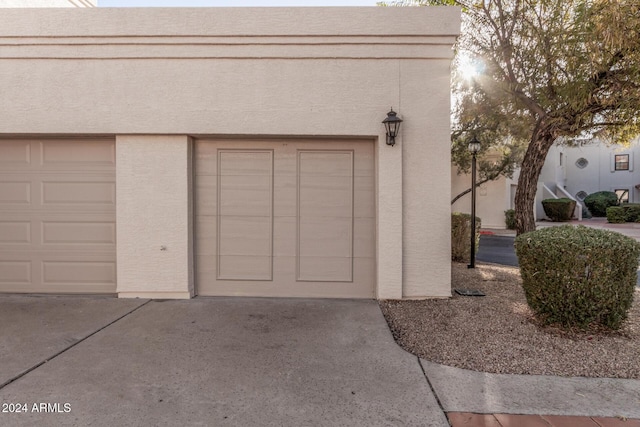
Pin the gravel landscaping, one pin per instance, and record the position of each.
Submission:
(498, 333)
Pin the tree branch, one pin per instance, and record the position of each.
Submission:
(468, 190)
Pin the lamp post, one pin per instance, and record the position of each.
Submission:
(392, 125)
(474, 147)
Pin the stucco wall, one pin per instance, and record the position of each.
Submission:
(492, 198)
(313, 72)
(153, 216)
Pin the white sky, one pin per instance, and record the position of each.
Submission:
(231, 3)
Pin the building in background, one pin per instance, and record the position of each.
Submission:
(590, 167)
(572, 172)
(492, 198)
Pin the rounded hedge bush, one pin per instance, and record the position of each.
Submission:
(616, 215)
(461, 236)
(631, 212)
(578, 276)
(510, 219)
(559, 209)
(599, 202)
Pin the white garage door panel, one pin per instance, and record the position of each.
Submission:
(285, 283)
(77, 155)
(15, 192)
(66, 232)
(69, 156)
(288, 218)
(79, 191)
(36, 272)
(58, 231)
(15, 232)
(81, 272)
(15, 272)
(325, 216)
(15, 155)
(57, 222)
(245, 215)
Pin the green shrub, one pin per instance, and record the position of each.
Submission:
(559, 209)
(510, 219)
(615, 215)
(599, 202)
(631, 212)
(578, 276)
(461, 236)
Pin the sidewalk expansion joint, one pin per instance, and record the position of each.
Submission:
(433, 390)
(22, 374)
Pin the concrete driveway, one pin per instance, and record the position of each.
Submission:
(105, 362)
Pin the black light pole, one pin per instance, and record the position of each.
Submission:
(474, 147)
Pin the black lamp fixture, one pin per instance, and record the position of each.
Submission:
(474, 147)
(392, 124)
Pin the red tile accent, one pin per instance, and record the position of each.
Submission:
(508, 420)
(617, 422)
(466, 419)
(565, 421)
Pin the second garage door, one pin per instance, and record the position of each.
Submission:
(57, 216)
(285, 218)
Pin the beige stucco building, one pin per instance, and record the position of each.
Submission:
(493, 198)
(169, 153)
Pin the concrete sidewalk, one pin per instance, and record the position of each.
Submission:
(243, 362)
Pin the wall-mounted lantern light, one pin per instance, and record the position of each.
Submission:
(392, 124)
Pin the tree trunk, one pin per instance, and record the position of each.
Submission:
(528, 181)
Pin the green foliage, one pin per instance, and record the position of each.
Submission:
(578, 276)
(615, 215)
(631, 212)
(628, 212)
(510, 219)
(548, 71)
(559, 209)
(461, 236)
(599, 201)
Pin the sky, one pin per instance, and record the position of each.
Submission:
(232, 3)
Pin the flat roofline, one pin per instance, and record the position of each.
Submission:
(238, 21)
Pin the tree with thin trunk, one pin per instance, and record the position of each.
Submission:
(548, 71)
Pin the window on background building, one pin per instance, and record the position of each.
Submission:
(582, 163)
(623, 195)
(580, 195)
(622, 162)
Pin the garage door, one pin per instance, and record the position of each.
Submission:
(57, 216)
(285, 218)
